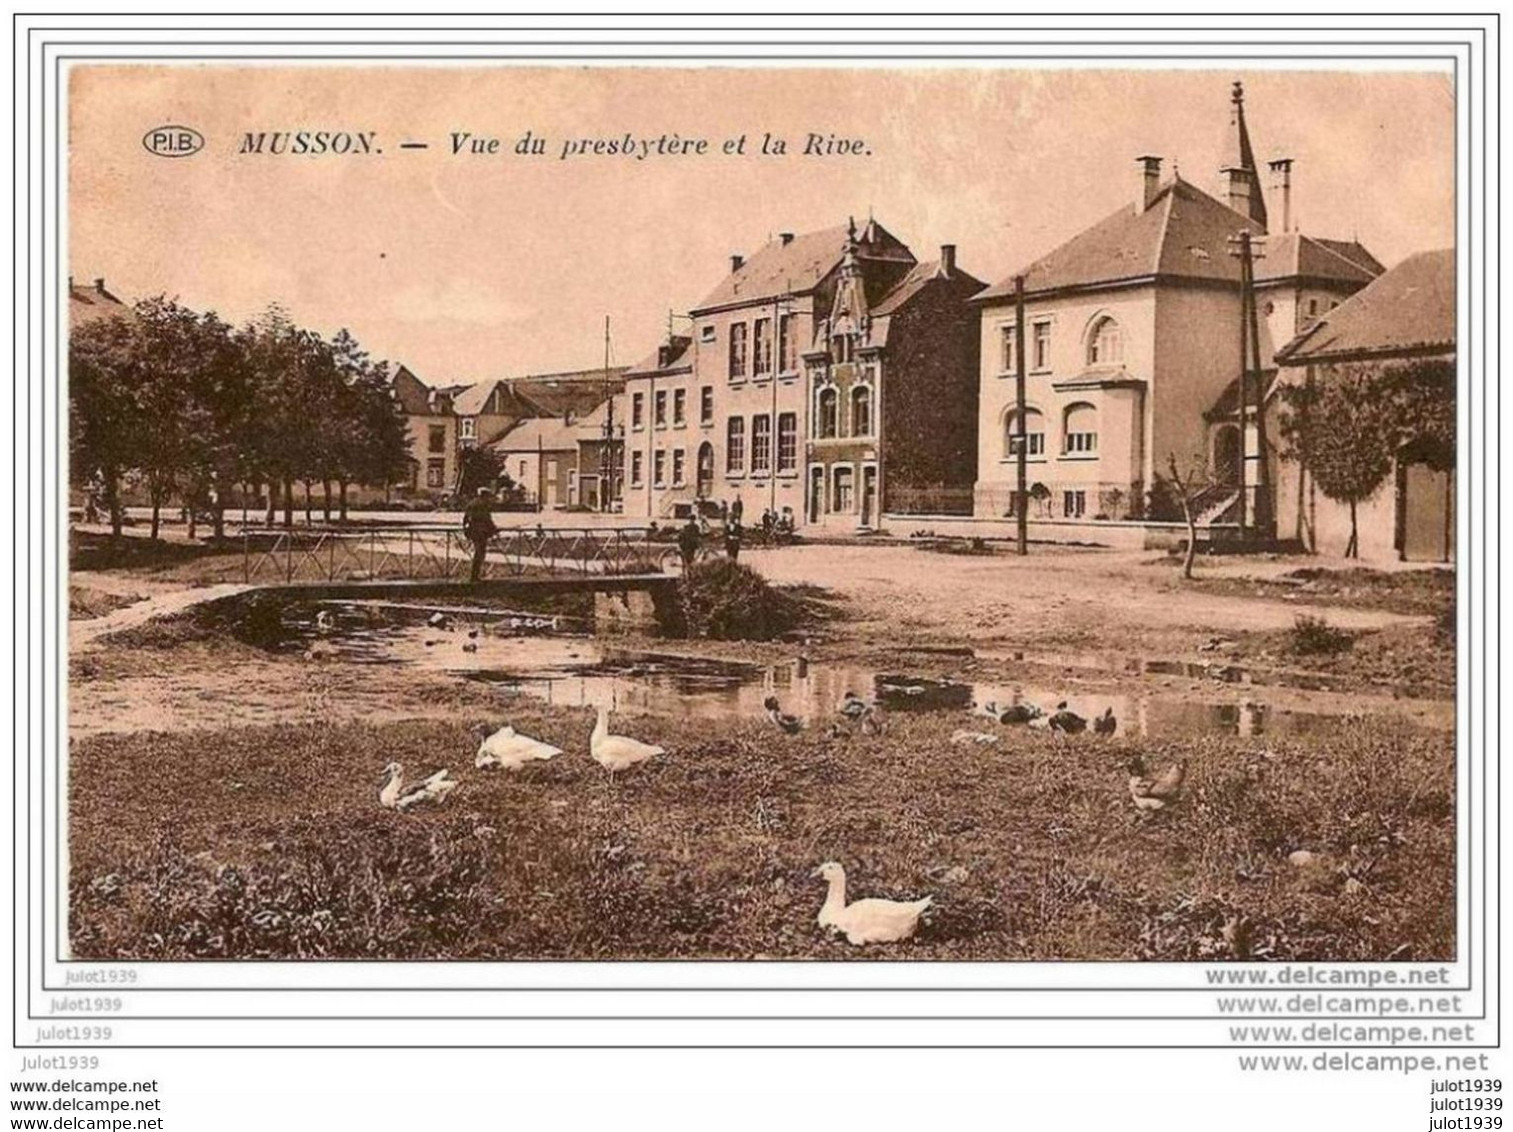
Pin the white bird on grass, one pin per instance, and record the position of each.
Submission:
(962, 736)
(617, 752)
(1156, 793)
(509, 749)
(395, 795)
(866, 921)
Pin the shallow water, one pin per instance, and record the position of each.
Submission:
(554, 660)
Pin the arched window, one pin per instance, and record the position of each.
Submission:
(827, 419)
(1034, 431)
(1105, 343)
(1080, 430)
(861, 411)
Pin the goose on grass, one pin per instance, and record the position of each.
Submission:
(866, 921)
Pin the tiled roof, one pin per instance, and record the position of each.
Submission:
(681, 362)
(576, 391)
(546, 434)
(85, 304)
(914, 282)
(1408, 310)
(414, 395)
(1183, 234)
(470, 400)
(1292, 254)
(798, 266)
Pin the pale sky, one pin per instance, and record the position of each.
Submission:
(469, 267)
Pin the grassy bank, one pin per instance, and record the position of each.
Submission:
(268, 842)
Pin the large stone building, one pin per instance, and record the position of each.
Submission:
(1132, 332)
(748, 405)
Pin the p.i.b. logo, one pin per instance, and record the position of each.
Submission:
(173, 141)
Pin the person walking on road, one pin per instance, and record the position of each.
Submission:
(733, 540)
(478, 525)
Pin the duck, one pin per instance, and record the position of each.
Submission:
(961, 737)
(439, 620)
(1106, 724)
(324, 621)
(618, 752)
(469, 646)
(989, 710)
(1020, 714)
(395, 795)
(853, 707)
(866, 921)
(1150, 794)
(788, 724)
(509, 749)
(1067, 722)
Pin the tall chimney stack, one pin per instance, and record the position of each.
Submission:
(1281, 181)
(948, 259)
(786, 237)
(1150, 182)
(735, 262)
(100, 285)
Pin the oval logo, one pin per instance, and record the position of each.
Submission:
(173, 141)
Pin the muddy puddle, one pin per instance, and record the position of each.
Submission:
(553, 658)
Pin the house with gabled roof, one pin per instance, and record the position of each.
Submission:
(1132, 332)
(730, 411)
(1404, 321)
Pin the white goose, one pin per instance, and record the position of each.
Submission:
(866, 921)
(395, 795)
(509, 749)
(617, 752)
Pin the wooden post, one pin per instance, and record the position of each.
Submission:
(1022, 437)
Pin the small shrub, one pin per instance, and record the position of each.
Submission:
(1313, 636)
(726, 601)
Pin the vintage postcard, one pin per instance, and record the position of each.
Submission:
(761, 512)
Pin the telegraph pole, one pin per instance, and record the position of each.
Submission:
(1262, 510)
(1021, 437)
(1239, 246)
(606, 455)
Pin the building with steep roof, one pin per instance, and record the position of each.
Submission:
(85, 304)
(1403, 321)
(731, 410)
(432, 431)
(1132, 331)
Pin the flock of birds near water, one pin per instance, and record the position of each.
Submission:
(861, 921)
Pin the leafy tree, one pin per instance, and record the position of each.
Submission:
(1344, 427)
(102, 411)
(478, 467)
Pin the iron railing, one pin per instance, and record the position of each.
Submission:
(334, 554)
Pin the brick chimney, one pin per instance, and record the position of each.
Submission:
(948, 259)
(1150, 182)
(1281, 183)
(735, 263)
(100, 286)
(786, 237)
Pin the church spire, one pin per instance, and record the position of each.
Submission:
(1241, 182)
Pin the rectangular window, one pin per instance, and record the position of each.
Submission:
(706, 405)
(638, 410)
(679, 407)
(438, 438)
(861, 411)
(735, 446)
(521, 475)
(761, 444)
(659, 467)
(1041, 358)
(788, 442)
(762, 348)
(737, 350)
(706, 333)
(677, 467)
(1007, 359)
(1073, 504)
(469, 427)
(436, 473)
(637, 468)
(659, 411)
(1081, 443)
(788, 344)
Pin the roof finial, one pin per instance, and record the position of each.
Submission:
(851, 229)
(1237, 93)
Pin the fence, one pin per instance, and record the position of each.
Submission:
(440, 552)
(929, 500)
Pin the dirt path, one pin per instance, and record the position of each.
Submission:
(84, 634)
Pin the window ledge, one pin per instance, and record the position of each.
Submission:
(1079, 457)
(1012, 460)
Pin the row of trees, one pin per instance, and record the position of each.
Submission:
(189, 407)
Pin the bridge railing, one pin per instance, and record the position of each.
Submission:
(370, 553)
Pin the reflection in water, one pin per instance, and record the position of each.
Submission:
(579, 671)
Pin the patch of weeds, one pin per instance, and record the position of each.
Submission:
(1314, 636)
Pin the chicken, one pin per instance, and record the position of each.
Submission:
(1156, 793)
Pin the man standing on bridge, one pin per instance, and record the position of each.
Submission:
(478, 525)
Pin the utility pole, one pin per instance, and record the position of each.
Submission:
(1021, 436)
(1262, 510)
(606, 455)
(1239, 246)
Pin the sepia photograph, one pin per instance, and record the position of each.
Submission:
(944, 513)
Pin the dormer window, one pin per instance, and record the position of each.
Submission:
(842, 348)
(1105, 344)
